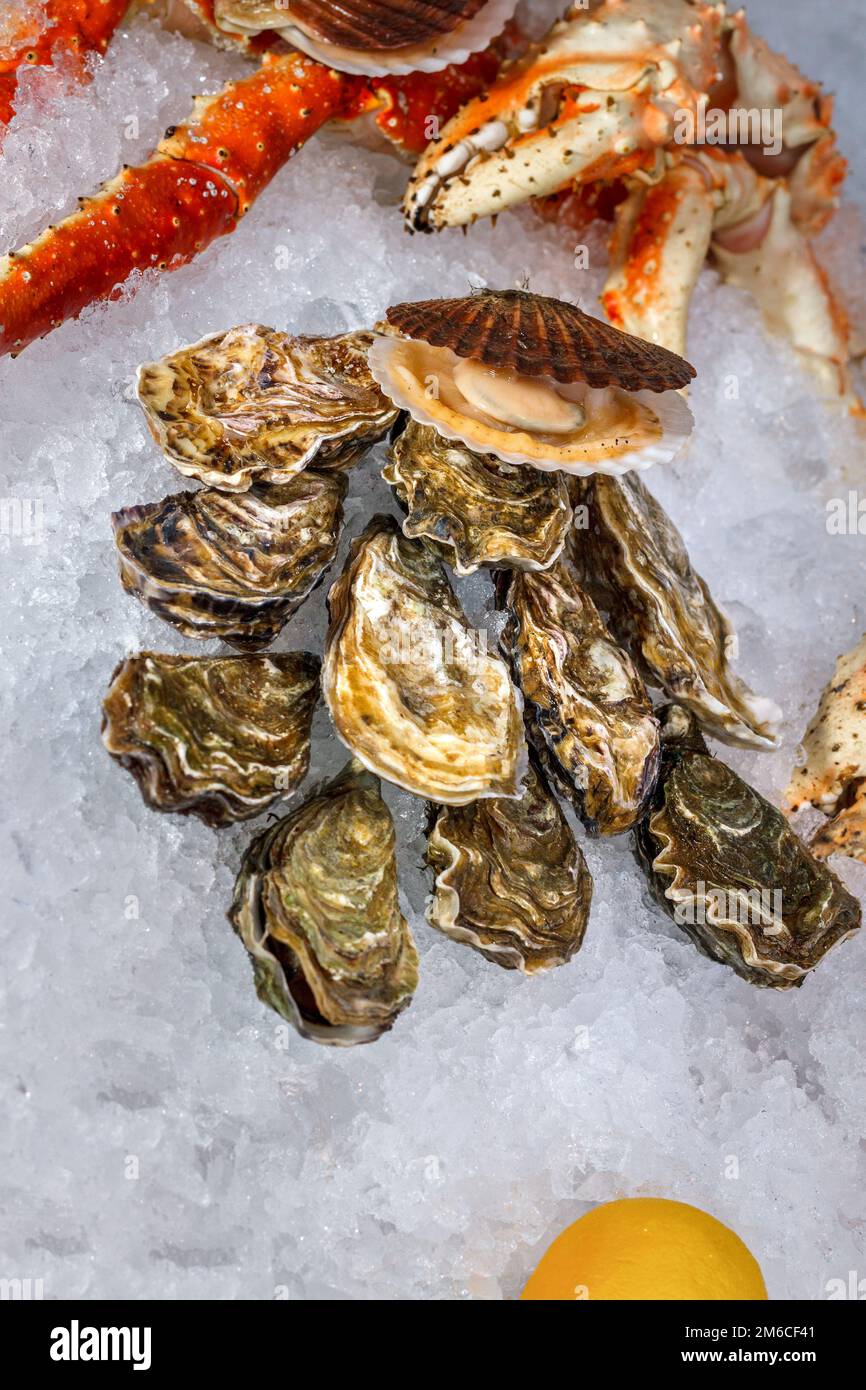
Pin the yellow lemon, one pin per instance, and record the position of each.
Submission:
(647, 1247)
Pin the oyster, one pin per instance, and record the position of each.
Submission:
(832, 777)
(534, 381)
(412, 690)
(316, 907)
(371, 38)
(218, 737)
(252, 405)
(730, 870)
(234, 567)
(473, 509)
(510, 879)
(589, 713)
(634, 560)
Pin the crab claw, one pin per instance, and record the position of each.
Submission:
(535, 132)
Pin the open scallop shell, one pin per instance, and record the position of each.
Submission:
(371, 38)
(538, 336)
(622, 431)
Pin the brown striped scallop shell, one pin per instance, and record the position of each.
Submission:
(365, 24)
(538, 336)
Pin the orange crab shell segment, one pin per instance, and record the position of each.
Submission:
(534, 336)
(414, 106)
(202, 178)
(76, 27)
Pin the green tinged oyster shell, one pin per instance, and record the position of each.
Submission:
(588, 712)
(235, 567)
(635, 562)
(316, 907)
(473, 509)
(253, 405)
(730, 870)
(218, 737)
(411, 688)
(511, 880)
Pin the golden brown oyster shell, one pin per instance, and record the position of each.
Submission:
(218, 737)
(472, 508)
(832, 776)
(511, 880)
(411, 688)
(588, 711)
(730, 870)
(634, 559)
(535, 335)
(253, 405)
(316, 907)
(232, 566)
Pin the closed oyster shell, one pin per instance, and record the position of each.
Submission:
(538, 336)
(730, 870)
(589, 714)
(316, 907)
(510, 879)
(411, 688)
(234, 567)
(832, 776)
(218, 737)
(634, 559)
(253, 405)
(473, 509)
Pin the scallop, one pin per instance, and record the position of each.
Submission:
(369, 38)
(534, 381)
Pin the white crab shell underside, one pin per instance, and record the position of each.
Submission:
(622, 430)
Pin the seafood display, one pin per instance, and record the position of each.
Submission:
(673, 117)
(218, 737)
(316, 907)
(832, 776)
(670, 116)
(731, 871)
(510, 878)
(516, 423)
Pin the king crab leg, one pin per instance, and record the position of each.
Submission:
(74, 27)
(203, 176)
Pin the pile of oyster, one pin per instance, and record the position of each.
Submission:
(518, 427)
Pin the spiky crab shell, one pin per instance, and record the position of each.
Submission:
(372, 39)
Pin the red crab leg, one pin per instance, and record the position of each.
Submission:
(72, 26)
(202, 177)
